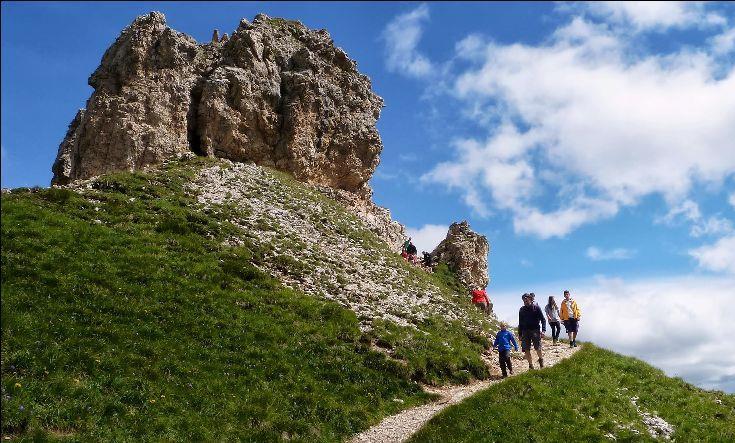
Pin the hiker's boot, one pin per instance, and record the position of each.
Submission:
(571, 344)
(540, 362)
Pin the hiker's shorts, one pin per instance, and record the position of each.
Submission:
(531, 337)
(571, 325)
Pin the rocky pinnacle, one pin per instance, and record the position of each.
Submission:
(274, 92)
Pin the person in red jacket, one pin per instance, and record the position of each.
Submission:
(480, 299)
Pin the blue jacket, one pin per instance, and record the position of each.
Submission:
(504, 339)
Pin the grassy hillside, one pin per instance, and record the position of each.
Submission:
(127, 315)
(586, 398)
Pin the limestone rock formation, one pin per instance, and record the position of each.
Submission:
(274, 92)
(465, 252)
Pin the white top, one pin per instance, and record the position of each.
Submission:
(552, 312)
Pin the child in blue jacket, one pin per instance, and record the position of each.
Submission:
(502, 343)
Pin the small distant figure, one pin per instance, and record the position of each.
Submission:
(502, 343)
(552, 315)
(404, 248)
(426, 260)
(481, 300)
(570, 315)
(529, 317)
(224, 38)
(411, 251)
(215, 36)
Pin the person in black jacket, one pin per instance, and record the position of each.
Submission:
(529, 331)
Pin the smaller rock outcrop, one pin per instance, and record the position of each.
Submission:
(465, 252)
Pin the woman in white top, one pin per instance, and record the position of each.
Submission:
(552, 314)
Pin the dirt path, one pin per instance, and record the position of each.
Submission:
(399, 427)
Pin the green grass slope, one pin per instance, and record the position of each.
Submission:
(586, 398)
(126, 317)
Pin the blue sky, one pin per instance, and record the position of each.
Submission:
(593, 144)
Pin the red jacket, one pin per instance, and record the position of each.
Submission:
(479, 296)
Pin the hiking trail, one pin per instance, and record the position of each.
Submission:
(400, 427)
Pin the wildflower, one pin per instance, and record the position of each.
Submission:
(17, 385)
(153, 400)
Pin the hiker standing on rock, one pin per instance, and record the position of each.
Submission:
(570, 315)
(529, 317)
(502, 343)
(552, 315)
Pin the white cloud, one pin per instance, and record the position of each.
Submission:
(724, 43)
(655, 15)
(586, 106)
(401, 36)
(679, 324)
(732, 199)
(700, 226)
(427, 237)
(686, 209)
(597, 254)
(718, 257)
(711, 226)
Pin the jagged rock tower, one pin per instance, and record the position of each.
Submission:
(465, 252)
(275, 93)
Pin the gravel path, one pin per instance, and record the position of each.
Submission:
(399, 427)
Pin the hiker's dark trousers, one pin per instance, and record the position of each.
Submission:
(555, 330)
(505, 362)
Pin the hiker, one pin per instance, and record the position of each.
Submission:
(404, 248)
(427, 259)
(552, 315)
(502, 343)
(529, 317)
(533, 299)
(411, 251)
(570, 315)
(480, 299)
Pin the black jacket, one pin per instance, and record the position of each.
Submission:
(529, 317)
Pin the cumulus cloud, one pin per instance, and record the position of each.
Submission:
(597, 254)
(732, 200)
(718, 257)
(588, 122)
(681, 325)
(401, 37)
(655, 15)
(688, 211)
(427, 237)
